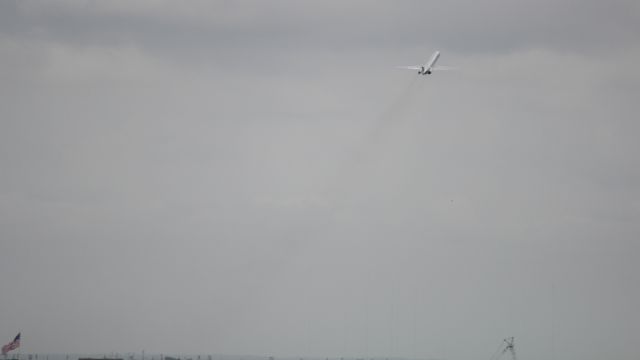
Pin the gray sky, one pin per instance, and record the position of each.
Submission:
(257, 178)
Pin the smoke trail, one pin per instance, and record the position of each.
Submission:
(374, 142)
(341, 188)
(339, 195)
(395, 114)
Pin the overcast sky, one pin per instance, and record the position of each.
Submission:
(258, 178)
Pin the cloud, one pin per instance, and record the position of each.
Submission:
(259, 176)
(209, 30)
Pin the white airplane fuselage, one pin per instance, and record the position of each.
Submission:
(427, 68)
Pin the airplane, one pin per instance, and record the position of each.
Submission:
(429, 67)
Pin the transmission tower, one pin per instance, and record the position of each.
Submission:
(510, 347)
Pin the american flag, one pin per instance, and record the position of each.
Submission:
(12, 345)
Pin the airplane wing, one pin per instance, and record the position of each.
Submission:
(443, 68)
(409, 67)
